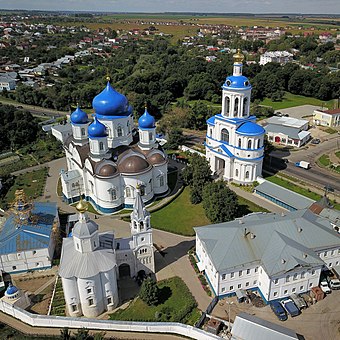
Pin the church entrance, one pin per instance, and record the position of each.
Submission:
(219, 166)
(124, 270)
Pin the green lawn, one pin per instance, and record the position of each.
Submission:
(291, 100)
(176, 301)
(58, 303)
(337, 154)
(187, 215)
(32, 182)
(324, 160)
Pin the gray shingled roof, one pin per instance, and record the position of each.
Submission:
(286, 130)
(279, 243)
(84, 228)
(250, 327)
(289, 197)
(83, 265)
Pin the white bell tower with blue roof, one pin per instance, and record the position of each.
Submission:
(234, 142)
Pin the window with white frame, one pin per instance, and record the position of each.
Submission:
(223, 276)
(248, 271)
(275, 294)
(232, 274)
(231, 288)
(276, 281)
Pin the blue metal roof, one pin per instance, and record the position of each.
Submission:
(96, 129)
(32, 234)
(211, 120)
(110, 103)
(79, 116)
(250, 129)
(226, 150)
(146, 121)
(237, 82)
(11, 289)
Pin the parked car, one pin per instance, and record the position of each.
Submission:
(278, 310)
(315, 141)
(290, 307)
(334, 284)
(299, 301)
(324, 287)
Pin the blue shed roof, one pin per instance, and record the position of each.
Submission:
(30, 235)
(250, 129)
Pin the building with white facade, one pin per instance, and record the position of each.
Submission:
(91, 262)
(234, 142)
(107, 158)
(27, 238)
(288, 131)
(329, 118)
(281, 57)
(16, 297)
(275, 255)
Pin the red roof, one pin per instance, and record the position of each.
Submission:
(332, 112)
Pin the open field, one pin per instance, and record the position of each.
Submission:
(291, 100)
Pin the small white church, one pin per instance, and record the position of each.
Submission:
(107, 157)
(234, 142)
(92, 262)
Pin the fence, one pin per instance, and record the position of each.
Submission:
(36, 320)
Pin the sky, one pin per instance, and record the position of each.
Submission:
(202, 6)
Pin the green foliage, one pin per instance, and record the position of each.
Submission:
(149, 292)
(219, 202)
(175, 138)
(177, 306)
(196, 175)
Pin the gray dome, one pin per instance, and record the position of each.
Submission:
(84, 229)
(107, 170)
(133, 164)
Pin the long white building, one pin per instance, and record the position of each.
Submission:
(107, 158)
(234, 142)
(275, 255)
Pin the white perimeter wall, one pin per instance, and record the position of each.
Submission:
(126, 326)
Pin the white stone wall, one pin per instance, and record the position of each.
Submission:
(124, 326)
(72, 297)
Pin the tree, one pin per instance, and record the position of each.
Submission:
(219, 202)
(149, 292)
(65, 334)
(197, 174)
(82, 334)
(175, 139)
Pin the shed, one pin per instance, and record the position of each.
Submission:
(214, 326)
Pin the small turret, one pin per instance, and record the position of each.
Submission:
(147, 130)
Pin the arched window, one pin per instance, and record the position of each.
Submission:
(225, 135)
(113, 193)
(227, 105)
(210, 132)
(236, 107)
(247, 174)
(150, 136)
(128, 192)
(258, 143)
(245, 104)
(128, 127)
(101, 146)
(249, 144)
(161, 181)
(236, 173)
(82, 131)
(119, 131)
(239, 142)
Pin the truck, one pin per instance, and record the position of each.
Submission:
(303, 164)
(290, 307)
(299, 301)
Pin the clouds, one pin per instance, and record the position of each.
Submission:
(208, 6)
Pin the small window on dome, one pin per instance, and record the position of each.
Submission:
(246, 83)
(228, 82)
(119, 131)
(82, 131)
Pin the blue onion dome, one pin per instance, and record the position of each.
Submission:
(109, 102)
(11, 289)
(146, 121)
(250, 129)
(97, 129)
(79, 116)
(237, 82)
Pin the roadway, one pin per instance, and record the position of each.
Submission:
(317, 176)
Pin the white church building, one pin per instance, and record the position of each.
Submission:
(234, 142)
(91, 262)
(107, 158)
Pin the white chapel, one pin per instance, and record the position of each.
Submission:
(234, 142)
